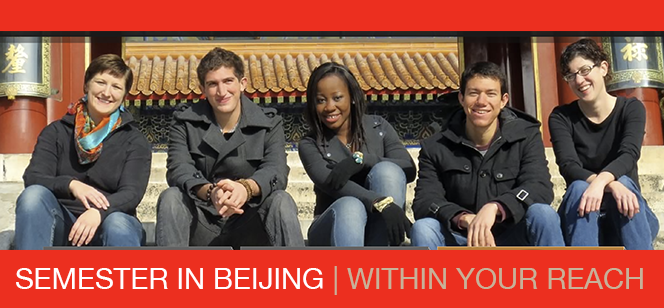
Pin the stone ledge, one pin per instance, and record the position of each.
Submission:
(300, 187)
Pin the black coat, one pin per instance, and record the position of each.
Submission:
(382, 144)
(455, 177)
(199, 154)
(121, 172)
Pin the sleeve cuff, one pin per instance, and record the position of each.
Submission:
(190, 184)
(61, 189)
(456, 220)
(504, 213)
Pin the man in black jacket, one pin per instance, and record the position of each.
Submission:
(483, 180)
(226, 168)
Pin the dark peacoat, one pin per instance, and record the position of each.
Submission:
(199, 154)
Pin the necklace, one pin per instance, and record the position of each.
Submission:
(348, 146)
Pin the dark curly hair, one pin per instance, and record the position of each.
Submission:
(584, 48)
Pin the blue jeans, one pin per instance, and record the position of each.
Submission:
(41, 221)
(346, 222)
(608, 226)
(540, 227)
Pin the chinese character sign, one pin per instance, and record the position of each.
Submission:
(16, 57)
(25, 66)
(634, 51)
(634, 62)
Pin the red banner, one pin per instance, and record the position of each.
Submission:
(388, 278)
(344, 15)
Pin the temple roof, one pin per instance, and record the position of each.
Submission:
(284, 68)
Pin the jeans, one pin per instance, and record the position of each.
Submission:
(180, 223)
(540, 227)
(41, 221)
(608, 226)
(346, 222)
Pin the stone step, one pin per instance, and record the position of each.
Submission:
(649, 164)
(301, 188)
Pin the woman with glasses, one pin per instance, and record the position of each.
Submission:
(597, 142)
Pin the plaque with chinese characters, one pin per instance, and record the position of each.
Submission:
(25, 66)
(634, 62)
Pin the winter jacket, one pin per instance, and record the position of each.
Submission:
(454, 177)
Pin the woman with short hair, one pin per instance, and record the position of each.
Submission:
(597, 142)
(88, 171)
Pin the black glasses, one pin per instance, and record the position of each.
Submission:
(583, 71)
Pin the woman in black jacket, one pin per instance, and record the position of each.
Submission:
(89, 170)
(357, 162)
(597, 141)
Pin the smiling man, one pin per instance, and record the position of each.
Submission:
(483, 180)
(226, 168)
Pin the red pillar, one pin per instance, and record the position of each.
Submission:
(21, 121)
(548, 83)
(73, 74)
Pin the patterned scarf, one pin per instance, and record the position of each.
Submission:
(87, 135)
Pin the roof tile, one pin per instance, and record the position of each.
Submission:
(273, 72)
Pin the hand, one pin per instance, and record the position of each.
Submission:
(626, 200)
(238, 195)
(397, 224)
(465, 220)
(218, 198)
(341, 172)
(479, 229)
(233, 198)
(85, 227)
(88, 194)
(591, 200)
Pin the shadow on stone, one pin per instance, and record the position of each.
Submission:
(6, 239)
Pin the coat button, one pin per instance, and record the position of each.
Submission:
(328, 155)
(197, 175)
(381, 134)
(466, 167)
(483, 174)
(499, 175)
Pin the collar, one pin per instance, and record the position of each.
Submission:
(124, 115)
(514, 125)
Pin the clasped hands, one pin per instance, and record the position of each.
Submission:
(228, 197)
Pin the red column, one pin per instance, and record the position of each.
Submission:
(21, 121)
(548, 83)
(73, 75)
